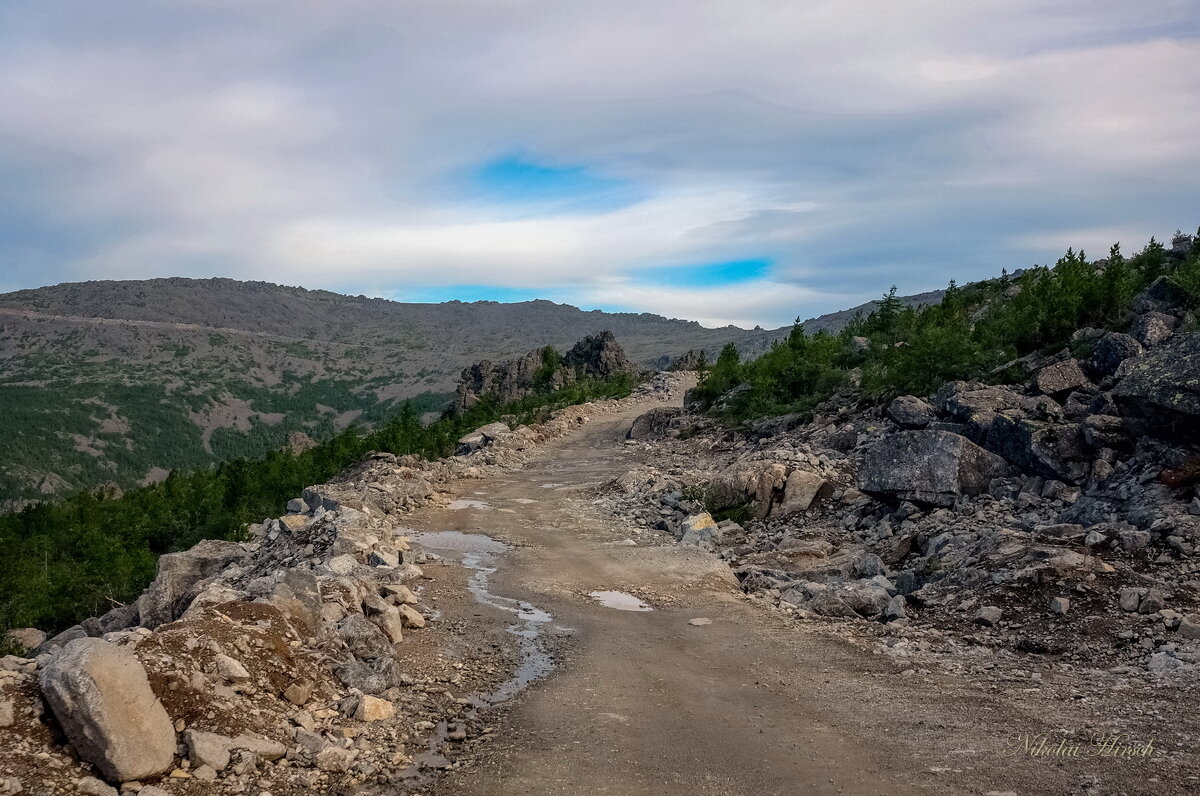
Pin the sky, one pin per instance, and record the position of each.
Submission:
(741, 162)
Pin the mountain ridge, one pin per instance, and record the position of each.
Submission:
(118, 382)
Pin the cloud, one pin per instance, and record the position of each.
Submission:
(575, 148)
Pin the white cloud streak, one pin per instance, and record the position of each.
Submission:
(856, 144)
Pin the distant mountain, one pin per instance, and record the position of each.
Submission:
(116, 383)
(123, 381)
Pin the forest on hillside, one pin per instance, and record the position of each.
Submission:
(980, 331)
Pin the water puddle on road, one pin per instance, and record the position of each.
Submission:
(478, 553)
(622, 601)
(466, 503)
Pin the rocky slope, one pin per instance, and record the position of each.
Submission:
(308, 659)
(594, 357)
(1052, 523)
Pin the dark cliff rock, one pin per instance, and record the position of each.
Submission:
(542, 370)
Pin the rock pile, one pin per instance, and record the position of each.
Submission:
(1058, 516)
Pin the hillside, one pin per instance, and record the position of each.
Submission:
(119, 382)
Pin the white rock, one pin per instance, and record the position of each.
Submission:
(231, 669)
(101, 696)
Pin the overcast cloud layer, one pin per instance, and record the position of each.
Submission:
(582, 151)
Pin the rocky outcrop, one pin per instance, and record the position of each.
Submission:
(102, 699)
(598, 357)
(542, 370)
(931, 467)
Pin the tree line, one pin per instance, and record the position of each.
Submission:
(66, 560)
(970, 334)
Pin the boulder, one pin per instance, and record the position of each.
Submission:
(168, 596)
(371, 677)
(1105, 431)
(388, 620)
(1060, 378)
(932, 467)
(231, 669)
(1161, 295)
(1051, 450)
(102, 699)
(700, 530)
(734, 486)
(799, 492)
(977, 405)
(1160, 393)
(865, 599)
(1113, 349)
(208, 749)
(771, 481)
(298, 597)
(1189, 626)
(411, 617)
(988, 615)
(480, 438)
(364, 639)
(374, 709)
(1152, 328)
(94, 787)
(908, 411)
(27, 638)
(653, 424)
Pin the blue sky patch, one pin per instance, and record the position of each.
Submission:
(731, 272)
(520, 180)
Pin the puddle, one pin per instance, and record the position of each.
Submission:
(465, 503)
(619, 600)
(524, 501)
(551, 486)
(458, 542)
(478, 552)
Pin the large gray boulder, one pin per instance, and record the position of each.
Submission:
(1153, 328)
(1160, 393)
(734, 486)
(1051, 450)
(909, 411)
(932, 467)
(168, 596)
(298, 597)
(102, 699)
(1060, 378)
(480, 438)
(653, 424)
(977, 405)
(1113, 349)
(1161, 295)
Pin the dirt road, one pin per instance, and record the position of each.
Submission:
(644, 702)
